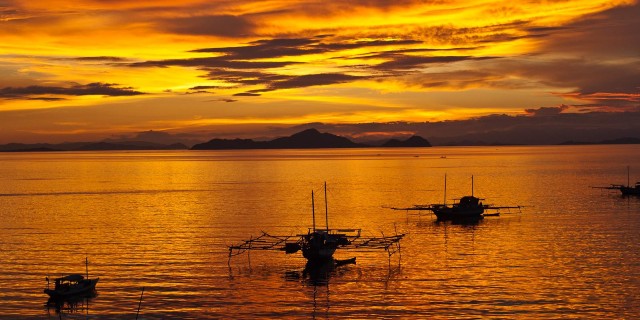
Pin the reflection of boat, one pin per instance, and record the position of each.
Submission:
(467, 208)
(318, 245)
(318, 273)
(72, 304)
(627, 190)
(71, 285)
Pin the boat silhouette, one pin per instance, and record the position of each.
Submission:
(627, 190)
(319, 245)
(467, 208)
(72, 285)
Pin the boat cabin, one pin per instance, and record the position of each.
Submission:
(469, 202)
(66, 282)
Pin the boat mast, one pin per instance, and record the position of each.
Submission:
(472, 185)
(86, 265)
(313, 212)
(628, 180)
(326, 207)
(445, 189)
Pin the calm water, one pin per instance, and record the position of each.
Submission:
(163, 220)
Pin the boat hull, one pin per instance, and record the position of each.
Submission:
(447, 214)
(315, 254)
(629, 191)
(319, 246)
(82, 288)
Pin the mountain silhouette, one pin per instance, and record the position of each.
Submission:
(224, 144)
(413, 141)
(312, 138)
(307, 139)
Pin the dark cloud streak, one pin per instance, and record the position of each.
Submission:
(404, 62)
(313, 80)
(101, 58)
(35, 92)
(212, 25)
(213, 62)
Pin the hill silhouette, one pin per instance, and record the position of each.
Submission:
(413, 141)
(307, 139)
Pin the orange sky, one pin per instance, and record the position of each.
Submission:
(78, 70)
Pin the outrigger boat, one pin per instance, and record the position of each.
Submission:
(627, 190)
(72, 285)
(319, 245)
(467, 208)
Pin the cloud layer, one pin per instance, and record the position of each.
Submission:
(51, 93)
(285, 62)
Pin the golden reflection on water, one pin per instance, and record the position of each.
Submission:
(162, 220)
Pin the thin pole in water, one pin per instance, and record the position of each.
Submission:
(86, 265)
(139, 303)
(472, 185)
(445, 189)
(628, 179)
(313, 211)
(326, 207)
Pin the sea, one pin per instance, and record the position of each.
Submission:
(155, 227)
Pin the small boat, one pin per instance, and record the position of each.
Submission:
(631, 191)
(627, 190)
(468, 208)
(319, 244)
(71, 285)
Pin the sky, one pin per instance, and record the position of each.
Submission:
(91, 69)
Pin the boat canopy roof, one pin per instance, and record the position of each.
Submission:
(468, 200)
(71, 277)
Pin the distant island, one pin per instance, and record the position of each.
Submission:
(307, 139)
(625, 140)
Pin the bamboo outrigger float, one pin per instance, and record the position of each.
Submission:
(319, 245)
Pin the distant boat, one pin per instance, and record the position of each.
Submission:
(631, 191)
(627, 190)
(71, 285)
(319, 244)
(467, 207)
